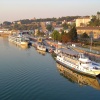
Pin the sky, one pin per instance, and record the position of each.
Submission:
(12, 10)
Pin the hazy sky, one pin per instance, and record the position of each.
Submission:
(11, 10)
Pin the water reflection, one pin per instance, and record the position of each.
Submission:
(4, 41)
(41, 52)
(80, 79)
(23, 47)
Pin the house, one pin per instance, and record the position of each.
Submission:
(94, 31)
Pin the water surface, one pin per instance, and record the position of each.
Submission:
(27, 74)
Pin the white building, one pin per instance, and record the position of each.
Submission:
(82, 21)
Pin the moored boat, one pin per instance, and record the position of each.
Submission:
(41, 47)
(78, 78)
(78, 62)
(19, 40)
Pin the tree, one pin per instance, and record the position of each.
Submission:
(84, 38)
(55, 35)
(49, 28)
(73, 34)
(65, 38)
(6, 23)
(65, 26)
(16, 26)
(84, 35)
(94, 21)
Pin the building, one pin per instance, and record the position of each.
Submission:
(36, 31)
(71, 22)
(91, 31)
(82, 21)
(98, 15)
(64, 22)
(58, 28)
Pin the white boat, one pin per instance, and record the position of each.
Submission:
(57, 51)
(78, 62)
(19, 40)
(41, 47)
(78, 78)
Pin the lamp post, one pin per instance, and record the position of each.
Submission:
(91, 44)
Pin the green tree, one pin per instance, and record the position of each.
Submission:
(84, 38)
(6, 23)
(84, 35)
(94, 22)
(55, 35)
(73, 34)
(65, 26)
(49, 28)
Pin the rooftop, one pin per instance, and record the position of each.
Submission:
(89, 28)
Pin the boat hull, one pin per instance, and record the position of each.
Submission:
(18, 41)
(41, 48)
(80, 72)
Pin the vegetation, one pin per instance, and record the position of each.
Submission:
(64, 37)
(65, 26)
(6, 23)
(73, 34)
(84, 36)
(40, 33)
(94, 21)
(55, 35)
(49, 28)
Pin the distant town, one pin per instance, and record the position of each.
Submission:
(62, 29)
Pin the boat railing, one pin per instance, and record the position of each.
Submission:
(74, 61)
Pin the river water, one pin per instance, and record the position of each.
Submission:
(27, 74)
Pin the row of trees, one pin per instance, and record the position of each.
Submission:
(68, 18)
(28, 21)
(24, 27)
(71, 36)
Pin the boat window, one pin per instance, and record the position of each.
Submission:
(85, 62)
(82, 63)
(95, 68)
(88, 62)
